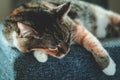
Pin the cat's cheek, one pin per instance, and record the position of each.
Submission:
(40, 56)
(15, 41)
(19, 43)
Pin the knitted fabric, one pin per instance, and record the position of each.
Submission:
(78, 64)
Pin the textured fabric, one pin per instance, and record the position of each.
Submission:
(79, 64)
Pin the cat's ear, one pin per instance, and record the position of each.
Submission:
(62, 10)
(25, 30)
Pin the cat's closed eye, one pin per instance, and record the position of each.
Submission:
(27, 34)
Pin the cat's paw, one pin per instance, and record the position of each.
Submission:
(110, 69)
(40, 56)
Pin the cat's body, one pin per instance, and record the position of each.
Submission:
(43, 28)
(97, 20)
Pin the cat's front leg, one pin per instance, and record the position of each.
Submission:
(40, 56)
(85, 38)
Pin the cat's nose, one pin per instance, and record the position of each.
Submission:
(63, 48)
(62, 52)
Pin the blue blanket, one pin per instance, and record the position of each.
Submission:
(79, 64)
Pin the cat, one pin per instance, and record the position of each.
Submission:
(49, 27)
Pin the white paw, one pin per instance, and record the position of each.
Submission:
(101, 33)
(40, 56)
(111, 69)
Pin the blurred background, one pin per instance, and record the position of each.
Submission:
(6, 6)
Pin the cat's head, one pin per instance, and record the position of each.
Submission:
(44, 29)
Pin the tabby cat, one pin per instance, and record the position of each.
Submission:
(49, 27)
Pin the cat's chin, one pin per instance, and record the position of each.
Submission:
(60, 57)
(40, 56)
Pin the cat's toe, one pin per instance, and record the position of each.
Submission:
(40, 56)
(110, 69)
